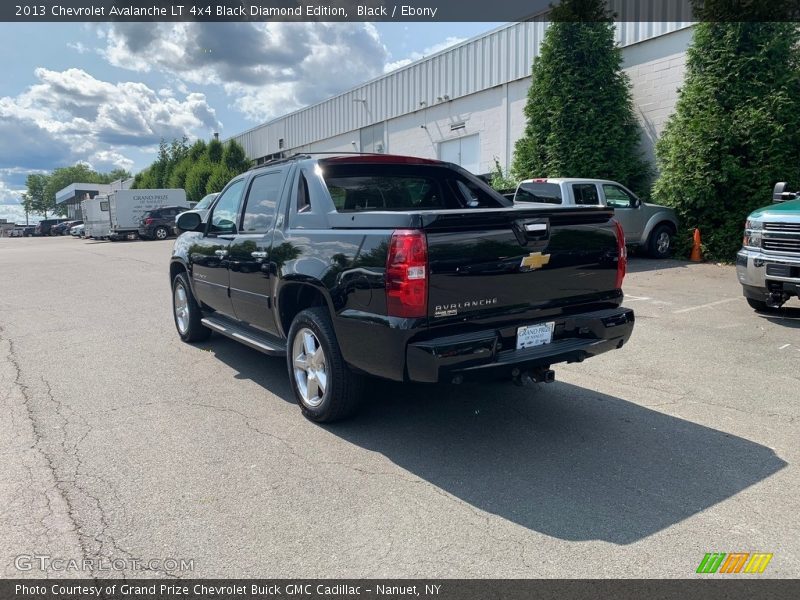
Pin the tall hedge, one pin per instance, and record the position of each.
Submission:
(736, 129)
(580, 119)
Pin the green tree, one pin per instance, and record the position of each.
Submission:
(177, 178)
(197, 150)
(215, 151)
(220, 176)
(197, 179)
(736, 129)
(36, 195)
(580, 119)
(234, 157)
(42, 188)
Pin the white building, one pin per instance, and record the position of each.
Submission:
(465, 104)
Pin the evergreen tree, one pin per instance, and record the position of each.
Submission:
(736, 129)
(177, 178)
(197, 179)
(197, 151)
(235, 158)
(580, 119)
(214, 151)
(220, 176)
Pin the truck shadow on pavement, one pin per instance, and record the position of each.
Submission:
(788, 316)
(563, 460)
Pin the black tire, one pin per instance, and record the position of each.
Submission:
(194, 330)
(759, 305)
(655, 243)
(160, 233)
(343, 388)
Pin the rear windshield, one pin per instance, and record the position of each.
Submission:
(374, 187)
(548, 193)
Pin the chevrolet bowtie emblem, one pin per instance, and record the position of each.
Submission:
(534, 260)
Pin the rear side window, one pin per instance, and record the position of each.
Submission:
(547, 193)
(585, 194)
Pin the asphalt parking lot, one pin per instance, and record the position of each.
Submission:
(119, 441)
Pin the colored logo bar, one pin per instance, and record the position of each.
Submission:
(734, 562)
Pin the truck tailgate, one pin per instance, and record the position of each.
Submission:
(519, 262)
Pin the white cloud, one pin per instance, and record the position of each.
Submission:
(70, 116)
(267, 69)
(79, 47)
(415, 56)
(10, 197)
(79, 114)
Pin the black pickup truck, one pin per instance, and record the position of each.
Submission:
(402, 268)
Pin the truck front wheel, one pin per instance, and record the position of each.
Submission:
(186, 311)
(324, 385)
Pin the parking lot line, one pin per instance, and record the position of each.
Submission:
(710, 304)
(784, 346)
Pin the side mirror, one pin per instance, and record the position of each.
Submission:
(781, 193)
(189, 221)
(637, 203)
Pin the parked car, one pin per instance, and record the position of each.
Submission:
(768, 265)
(63, 227)
(648, 226)
(16, 231)
(29, 231)
(403, 268)
(201, 208)
(77, 230)
(159, 223)
(45, 226)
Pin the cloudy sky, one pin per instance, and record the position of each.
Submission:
(106, 94)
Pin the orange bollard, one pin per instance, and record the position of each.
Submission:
(695, 256)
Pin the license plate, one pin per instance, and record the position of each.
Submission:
(535, 335)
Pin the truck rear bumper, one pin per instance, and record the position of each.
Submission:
(481, 354)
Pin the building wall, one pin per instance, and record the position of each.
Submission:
(447, 97)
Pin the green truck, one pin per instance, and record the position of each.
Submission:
(768, 265)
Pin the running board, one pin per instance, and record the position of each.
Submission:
(245, 335)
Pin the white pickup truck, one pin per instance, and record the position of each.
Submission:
(649, 226)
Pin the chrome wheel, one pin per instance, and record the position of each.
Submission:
(180, 302)
(662, 242)
(161, 233)
(310, 367)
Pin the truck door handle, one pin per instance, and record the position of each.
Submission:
(221, 252)
(259, 254)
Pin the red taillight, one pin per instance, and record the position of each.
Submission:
(622, 253)
(407, 274)
(148, 221)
